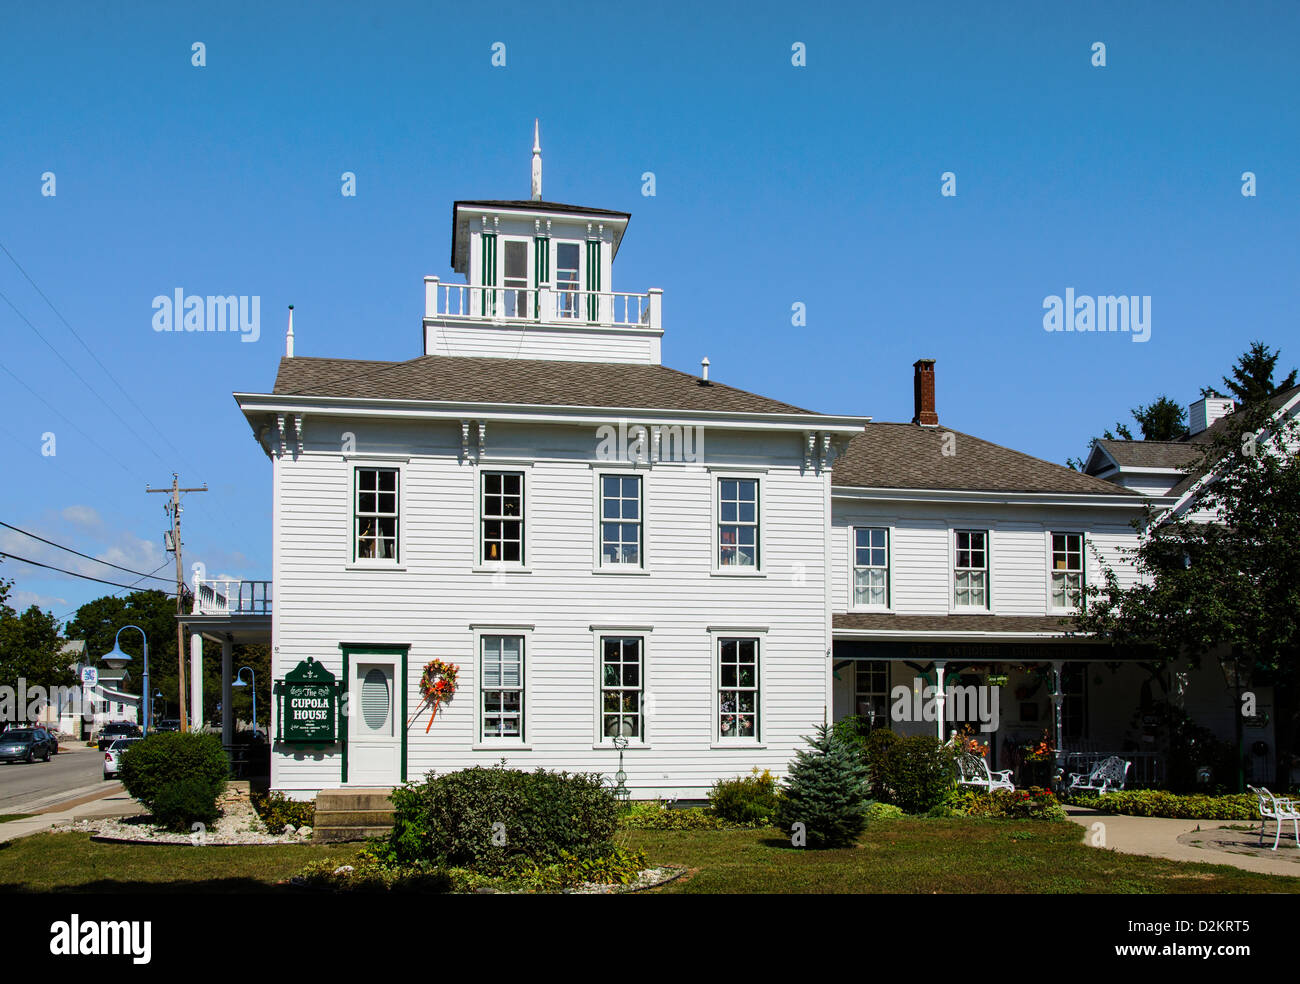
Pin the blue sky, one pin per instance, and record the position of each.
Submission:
(775, 184)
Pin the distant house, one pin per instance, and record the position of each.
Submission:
(108, 700)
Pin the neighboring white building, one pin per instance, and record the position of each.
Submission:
(604, 546)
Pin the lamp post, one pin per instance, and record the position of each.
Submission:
(239, 682)
(118, 659)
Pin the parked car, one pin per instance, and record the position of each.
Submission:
(113, 756)
(26, 745)
(168, 724)
(117, 729)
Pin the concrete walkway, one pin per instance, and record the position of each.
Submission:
(1180, 840)
(112, 802)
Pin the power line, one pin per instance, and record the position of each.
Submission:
(63, 619)
(83, 344)
(84, 577)
(78, 552)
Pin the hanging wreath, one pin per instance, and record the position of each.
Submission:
(437, 685)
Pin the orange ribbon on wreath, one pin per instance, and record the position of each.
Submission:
(437, 684)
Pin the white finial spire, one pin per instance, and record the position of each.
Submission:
(288, 338)
(537, 162)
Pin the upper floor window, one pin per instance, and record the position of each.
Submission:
(971, 570)
(375, 516)
(502, 517)
(567, 256)
(870, 567)
(738, 688)
(1067, 570)
(620, 519)
(738, 522)
(516, 278)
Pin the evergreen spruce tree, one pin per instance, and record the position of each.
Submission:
(826, 791)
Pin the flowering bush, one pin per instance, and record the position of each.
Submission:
(1043, 750)
(1018, 804)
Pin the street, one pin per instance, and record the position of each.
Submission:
(74, 772)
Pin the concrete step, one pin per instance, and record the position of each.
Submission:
(354, 818)
(353, 799)
(336, 835)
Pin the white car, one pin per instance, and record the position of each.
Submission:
(113, 756)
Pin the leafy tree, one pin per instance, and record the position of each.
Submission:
(826, 791)
(98, 621)
(1218, 581)
(30, 646)
(1252, 376)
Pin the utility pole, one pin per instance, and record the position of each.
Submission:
(173, 509)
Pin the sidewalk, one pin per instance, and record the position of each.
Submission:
(113, 802)
(1180, 840)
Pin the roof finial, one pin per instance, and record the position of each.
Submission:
(288, 338)
(537, 162)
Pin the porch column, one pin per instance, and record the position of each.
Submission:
(196, 681)
(940, 698)
(1058, 698)
(227, 712)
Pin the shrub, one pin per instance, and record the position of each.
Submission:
(1019, 804)
(654, 815)
(918, 773)
(746, 799)
(277, 811)
(1159, 803)
(874, 749)
(178, 806)
(826, 791)
(486, 818)
(883, 811)
(165, 760)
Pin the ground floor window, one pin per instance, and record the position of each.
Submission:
(622, 682)
(871, 691)
(1074, 701)
(738, 688)
(503, 686)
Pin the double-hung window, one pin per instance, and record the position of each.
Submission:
(622, 685)
(620, 520)
(1067, 570)
(566, 280)
(870, 567)
(738, 693)
(970, 576)
(375, 516)
(502, 517)
(738, 534)
(871, 691)
(502, 686)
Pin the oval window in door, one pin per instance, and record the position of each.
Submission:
(375, 699)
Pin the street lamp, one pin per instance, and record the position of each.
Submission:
(118, 659)
(152, 713)
(239, 682)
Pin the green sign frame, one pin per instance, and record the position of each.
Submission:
(308, 705)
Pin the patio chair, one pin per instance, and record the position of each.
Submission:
(1107, 775)
(1277, 810)
(973, 770)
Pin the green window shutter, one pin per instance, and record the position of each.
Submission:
(489, 302)
(593, 278)
(541, 270)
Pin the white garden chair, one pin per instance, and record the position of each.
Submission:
(1107, 775)
(1278, 810)
(973, 770)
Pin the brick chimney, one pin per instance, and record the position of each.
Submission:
(923, 393)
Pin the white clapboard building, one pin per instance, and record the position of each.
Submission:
(608, 548)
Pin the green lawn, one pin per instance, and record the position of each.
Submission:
(912, 855)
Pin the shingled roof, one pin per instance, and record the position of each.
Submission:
(881, 621)
(908, 456)
(1154, 454)
(531, 382)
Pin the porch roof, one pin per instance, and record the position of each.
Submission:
(881, 625)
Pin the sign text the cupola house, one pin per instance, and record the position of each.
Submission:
(308, 697)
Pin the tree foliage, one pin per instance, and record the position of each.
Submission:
(30, 646)
(1252, 376)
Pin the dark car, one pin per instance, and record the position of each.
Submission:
(26, 745)
(114, 730)
(168, 724)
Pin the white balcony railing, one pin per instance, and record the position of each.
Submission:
(547, 305)
(218, 596)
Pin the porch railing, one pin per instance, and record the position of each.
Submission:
(547, 304)
(225, 596)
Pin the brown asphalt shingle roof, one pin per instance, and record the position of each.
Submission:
(1155, 454)
(880, 621)
(534, 382)
(908, 456)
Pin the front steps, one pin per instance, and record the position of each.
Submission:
(351, 815)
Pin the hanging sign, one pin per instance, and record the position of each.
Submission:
(308, 697)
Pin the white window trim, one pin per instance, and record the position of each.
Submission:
(1083, 560)
(888, 527)
(477, 564)
(354, 464)
(716, 478)
(716, 634)
(598, 564)
(484, 742)
(599, 632)
(953, 607)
